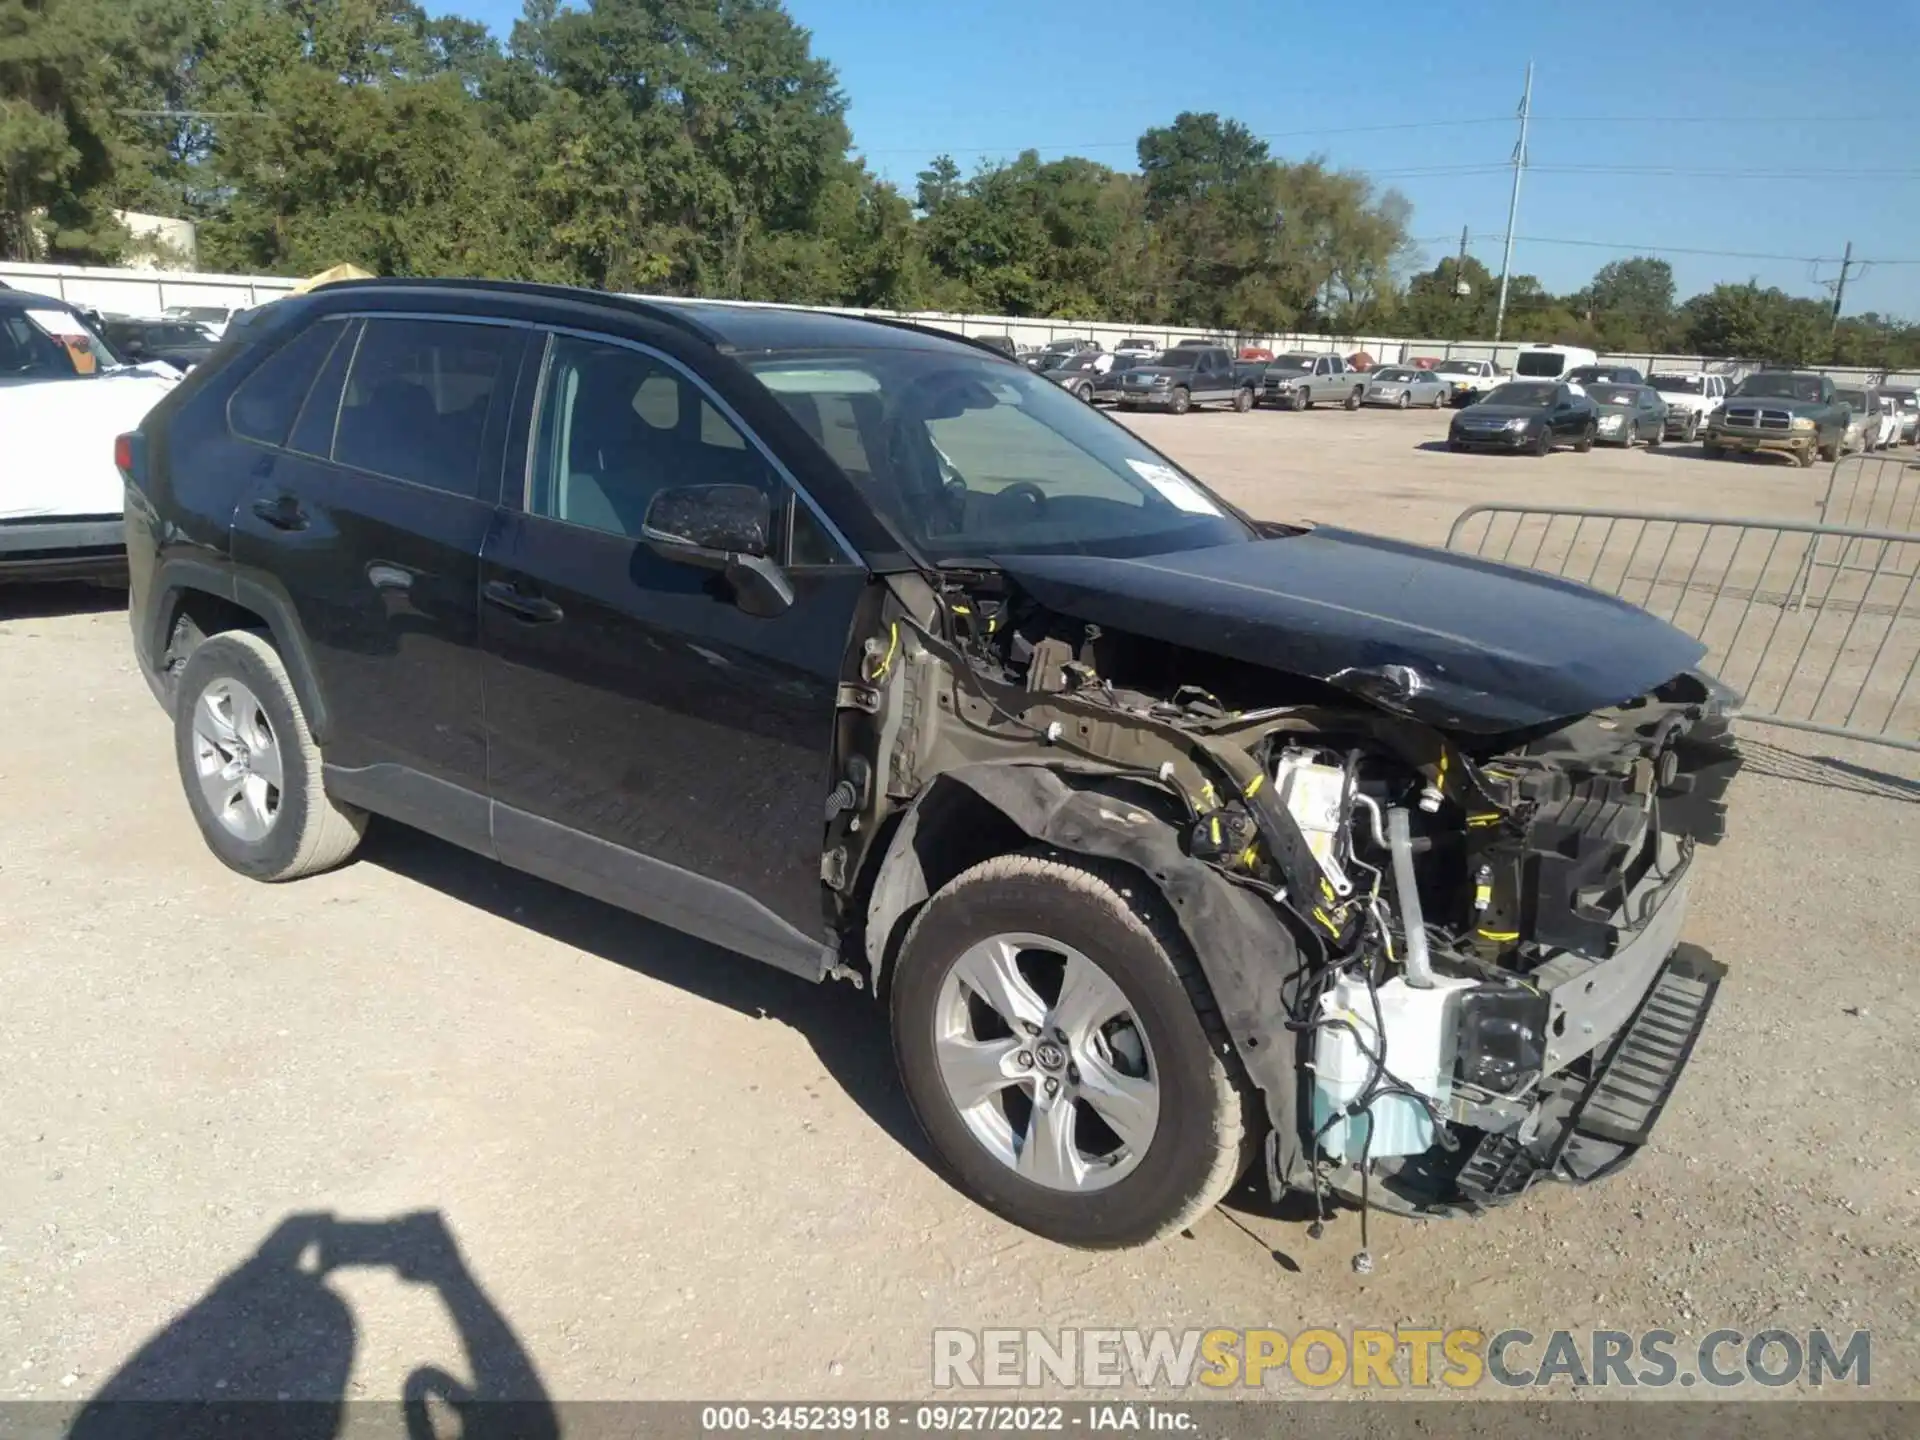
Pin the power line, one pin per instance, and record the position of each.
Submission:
(1682, 171)
(1721, 119)
(1434, 125)
(1674, 249)
(1130, 144)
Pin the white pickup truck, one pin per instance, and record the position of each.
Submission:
(1692, 397)
(1470, 380)
(64, 397)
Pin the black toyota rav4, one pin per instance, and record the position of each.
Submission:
(1175, 841)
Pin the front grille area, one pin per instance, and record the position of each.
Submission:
(1751, 418)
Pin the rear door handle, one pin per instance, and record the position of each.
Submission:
(535, 609)
(283, 512)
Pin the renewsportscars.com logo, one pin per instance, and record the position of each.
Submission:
(1456, 1359)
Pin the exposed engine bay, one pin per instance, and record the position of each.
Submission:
(1468, 932)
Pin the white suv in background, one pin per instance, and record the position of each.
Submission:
(1691, 399)
(64, 398)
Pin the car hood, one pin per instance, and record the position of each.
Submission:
(1502, 412)
(1452, 640)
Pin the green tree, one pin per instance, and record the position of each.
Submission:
(1630, 303)
(68, 157)
(1751, 323)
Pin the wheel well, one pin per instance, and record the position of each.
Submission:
(198, 614)
(951, 830)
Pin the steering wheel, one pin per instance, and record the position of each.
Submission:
(1028, 491)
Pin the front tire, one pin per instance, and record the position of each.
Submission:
(250, 767)
(1182, 400)
(1353, 400)
(1711, 450)
(1030, 971)
(1543, 442)
(1400, 404)
(1589, 435)
(1243, 400)
(1304, 399)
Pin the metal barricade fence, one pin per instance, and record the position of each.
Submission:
(1818, 625)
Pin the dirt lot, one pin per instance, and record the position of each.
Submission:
(671, 1172)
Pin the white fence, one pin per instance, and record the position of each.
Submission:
(143, 292)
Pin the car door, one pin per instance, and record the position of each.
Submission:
(1568, 418)
(366, 525)
(651, 742)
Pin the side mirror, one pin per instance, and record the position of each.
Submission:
(726, 528)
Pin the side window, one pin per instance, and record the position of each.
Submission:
(313, 431)
(617, 426)
(416, 400)
(264, 406)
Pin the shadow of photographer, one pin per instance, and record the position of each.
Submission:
(270, 1347)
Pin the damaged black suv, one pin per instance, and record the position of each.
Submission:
(1176, 842)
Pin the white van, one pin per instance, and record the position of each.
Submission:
(1550, 362)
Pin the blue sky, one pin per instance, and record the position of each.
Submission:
(1818, 104)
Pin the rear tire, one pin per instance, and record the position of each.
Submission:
(1022, 924)
(249, 765)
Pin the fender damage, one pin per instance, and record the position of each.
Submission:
(1389, 811)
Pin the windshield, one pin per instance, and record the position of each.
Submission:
(1457, 367)
(1292, 364)
(1085, 360)
(1856, 398)
(1535, 396)
(1614, 394)
(1397, 377)
(47, 342)
(971, 459)
(1679, 384)
(1779, 385)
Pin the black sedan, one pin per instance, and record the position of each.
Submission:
(183, 344)
(1533, 415)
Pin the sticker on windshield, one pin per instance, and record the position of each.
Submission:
(1175, 488)
(59, 324)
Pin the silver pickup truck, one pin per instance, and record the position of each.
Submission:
(1299, 380)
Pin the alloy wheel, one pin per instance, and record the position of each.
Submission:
(1046, 1062)
(237, 759)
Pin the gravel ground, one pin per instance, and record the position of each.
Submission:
(651, 1169)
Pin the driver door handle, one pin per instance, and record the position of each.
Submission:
(534, 609)
(283, 512)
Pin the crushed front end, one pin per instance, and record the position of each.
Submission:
(1448, 957)
(1532, 975)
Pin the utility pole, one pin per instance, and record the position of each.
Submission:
(1840, 287)
(1513, 205)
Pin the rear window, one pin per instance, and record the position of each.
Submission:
(1547, 363)
(1614, 394)
(264, 406)
(416, 400)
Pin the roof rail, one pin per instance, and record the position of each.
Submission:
(665, 314)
